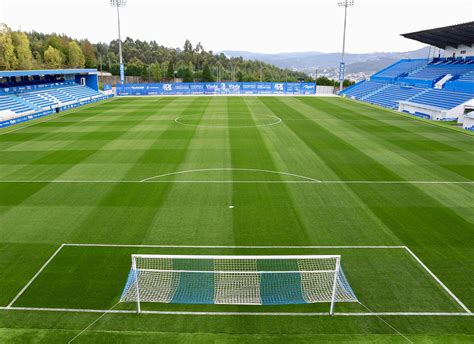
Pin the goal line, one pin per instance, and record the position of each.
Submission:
(304, 314)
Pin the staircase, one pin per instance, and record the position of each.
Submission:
(24, 102)
(440, 83)
(375, 92)
(417, 95)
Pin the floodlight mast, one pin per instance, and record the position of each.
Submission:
(345, 4)
(118, 4)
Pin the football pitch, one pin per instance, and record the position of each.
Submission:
(82, 191)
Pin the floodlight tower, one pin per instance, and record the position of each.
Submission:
(118, 4)
(345, 4)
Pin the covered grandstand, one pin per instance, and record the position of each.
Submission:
(30, 94)
(437, 88)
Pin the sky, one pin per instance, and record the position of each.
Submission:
(265, 26)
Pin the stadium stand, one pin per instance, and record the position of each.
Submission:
(399, 69)
(463, 84)
(429, 74)
(364, 89)
(438, 88)
(79, 92)
(390, 96)
(441, 99)
(25, 95)
(13, 104)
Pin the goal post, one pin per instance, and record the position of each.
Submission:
(134, 271)
(237, 280)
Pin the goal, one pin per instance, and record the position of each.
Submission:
(237, 280)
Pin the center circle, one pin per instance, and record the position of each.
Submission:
(228, 120)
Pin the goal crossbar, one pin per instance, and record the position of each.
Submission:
(230, 257)
(237, 280)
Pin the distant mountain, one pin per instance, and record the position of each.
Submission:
(310, 61)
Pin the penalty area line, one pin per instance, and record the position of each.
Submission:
(238, 247)
(35, 276)
(441, 284)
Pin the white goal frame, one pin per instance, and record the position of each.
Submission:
(336, 269)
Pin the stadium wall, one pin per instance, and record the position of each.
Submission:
(468, 122)
(325, 90)
(217, 88)
(89, 81)
(460, 51)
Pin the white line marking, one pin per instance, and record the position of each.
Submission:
(406, 314)
(463, 306)
(67, 310)
(386, 323)
(278, 121)
(235, 247)
(149, 180)
(394, 182)
(92, 323)
(35, 276)
(232, 169)
(347, 314)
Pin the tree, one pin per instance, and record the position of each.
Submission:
(206, 74)
(89, 53)
(188, 47)
(240, 76)
(188, 75)
(170, 71)
(136, 67)
(191, 62)
(60, 43)
(53, 58)
(22, 49)
(155, 71)
(324, 81)
(75, 55)
(8, 59)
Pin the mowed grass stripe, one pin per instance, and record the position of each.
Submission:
(128, 210)
(423, 129)
(400, 160)
(396, 145)
(289, 152)
(59, 209)
(12, 212)
(59, 160)
(412, 224)
(333, 214)
(337, 153)
(42, 130)
(197, 214)
(264, 213)
(407, 164)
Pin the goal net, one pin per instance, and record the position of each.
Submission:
(237, 280)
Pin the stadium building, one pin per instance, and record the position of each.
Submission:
(30, 94)
(440, 87)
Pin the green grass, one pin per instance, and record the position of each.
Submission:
(75, 179)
